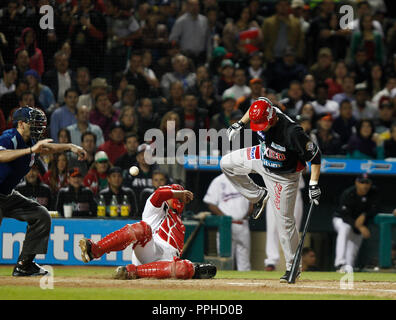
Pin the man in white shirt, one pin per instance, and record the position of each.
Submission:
(223, 199)
(83, 125)
(322, 105)
(239, 88)
(8, 80)
(386, 92)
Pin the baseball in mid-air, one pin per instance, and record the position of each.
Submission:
(134, 171)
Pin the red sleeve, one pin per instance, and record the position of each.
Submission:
(161, 195)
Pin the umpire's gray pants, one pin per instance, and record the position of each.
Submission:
(18, 207)
(282, 190)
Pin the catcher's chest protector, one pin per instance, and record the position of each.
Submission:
(172, 230)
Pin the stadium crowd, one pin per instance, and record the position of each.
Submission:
(110, 70)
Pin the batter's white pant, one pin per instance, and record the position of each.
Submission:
(272, 237)
(240, 246)
(282, 189)
(155, 250)
(347, 243)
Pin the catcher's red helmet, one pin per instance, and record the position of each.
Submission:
(261, 114)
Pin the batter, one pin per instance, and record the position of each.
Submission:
(280, 157)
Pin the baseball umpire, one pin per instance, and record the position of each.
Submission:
(18, 147)
(280, 157)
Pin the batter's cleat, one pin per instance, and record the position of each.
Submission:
(85, 246)
(204, 271)
(270, 267)
(258, 207)
(30, 269)
(285, 277)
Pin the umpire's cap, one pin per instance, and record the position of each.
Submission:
(261, 114)
(35, 117)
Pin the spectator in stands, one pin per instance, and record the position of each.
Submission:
(206, 97)
(98, 86)
(326, 138)
(136, 75)
(128, 97)
(345, 123)
(64, 136)
(335, 84)
(7, 82)
(201, 74)
(386, 91)
(376, 81)
(83, 81)
(324, 67)
(128, 120)
(364, 8)
(369, 39)
(191, 116)
(65, 115)
(239, 87)
(226, 80)
(284, 71)
(10, 100)
(103, 114)
(357, 207)
(114, 146)
(122, 30)
(56, 176)
(322, 105)
(96, 178)
(76, 194)
(281, 31)
(359, 66)
(293, 100)
(180, 73)
(33, 188)
(60, 78)
(43, 93)
(308, 110)
(257, 91)
(365, 143)
(147, 118)
(128, 159)
(22, 63)
(390, 144)
(88, 142)
(144, 178)
(115, 180)
(151, 77)
(175, 100)
(28, 42)
(348, 90)
(221, 120)
(88, 36)
(362, 106)
(385, 118)
(191, 31)
(159, 179)
(256, 68)
(309, 88)
(83, 125)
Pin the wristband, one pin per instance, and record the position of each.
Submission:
(241, 123)
(313, 182)
(31, 150)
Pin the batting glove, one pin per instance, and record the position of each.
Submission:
(314, 193)
(233, 131)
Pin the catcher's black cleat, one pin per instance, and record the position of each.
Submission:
(258, 207)
(204, 271)
(85, 245)
(30, 269)
(285, 277)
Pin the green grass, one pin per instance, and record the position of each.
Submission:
(34, 292)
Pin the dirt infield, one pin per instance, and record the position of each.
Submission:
(376, 289)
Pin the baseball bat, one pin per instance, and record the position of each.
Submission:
(192, 236)
(297, 256)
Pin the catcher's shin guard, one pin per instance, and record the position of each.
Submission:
(137, 233)
(176, 269)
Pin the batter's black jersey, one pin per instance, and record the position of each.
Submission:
(285, 147)
(352, 205)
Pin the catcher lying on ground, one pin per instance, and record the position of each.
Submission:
(157, 241)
